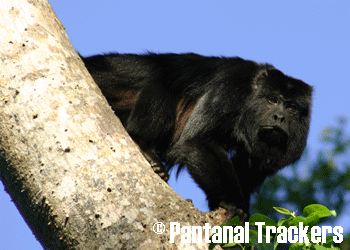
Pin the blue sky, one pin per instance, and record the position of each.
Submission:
(309, 40)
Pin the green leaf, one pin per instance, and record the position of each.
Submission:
(253, 239)
(233, 222)
(296, 246)
(282, 210)
(261, 218)
(334, 213)
(318, 247)
(284, 222)
(212, 245)
(317, 209)
(312, 220)
(329, 240)
(230, 245)
(295, 221)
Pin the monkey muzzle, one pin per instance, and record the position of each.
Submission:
(273, 136)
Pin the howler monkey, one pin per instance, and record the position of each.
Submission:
(230, 121)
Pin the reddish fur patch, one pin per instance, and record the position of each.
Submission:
(121, 98)
(184, 110)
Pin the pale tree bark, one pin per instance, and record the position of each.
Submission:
(75, 175)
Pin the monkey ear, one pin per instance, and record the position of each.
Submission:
(260, 75)
(263, 74)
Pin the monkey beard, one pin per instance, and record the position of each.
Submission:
(270, 147)
(273, 136)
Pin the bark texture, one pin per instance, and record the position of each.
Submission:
(73, 172)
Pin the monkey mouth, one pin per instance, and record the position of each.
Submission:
(273, 136)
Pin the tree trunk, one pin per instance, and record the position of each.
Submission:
(73, 172)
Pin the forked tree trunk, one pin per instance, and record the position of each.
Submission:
(74, 173)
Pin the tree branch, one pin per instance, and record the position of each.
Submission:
(74, 173)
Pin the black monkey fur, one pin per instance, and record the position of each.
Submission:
(230, 121)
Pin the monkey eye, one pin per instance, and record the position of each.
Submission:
(272, 100)
(292, 107)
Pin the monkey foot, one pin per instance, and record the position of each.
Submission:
(160, 170)
(233, 211)
(156, 164)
